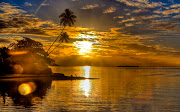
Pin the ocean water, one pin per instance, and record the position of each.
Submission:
(117, 89)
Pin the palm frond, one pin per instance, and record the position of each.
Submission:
(67, 18)
(64, 37)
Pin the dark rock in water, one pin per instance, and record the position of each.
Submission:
(26, 56)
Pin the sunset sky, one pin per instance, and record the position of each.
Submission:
(107, 32)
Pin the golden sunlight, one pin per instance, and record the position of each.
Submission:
(84, 47)
(91, 36)
(87, 69)
(85, 85)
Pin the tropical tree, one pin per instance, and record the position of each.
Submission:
(67, 18)
(63, 37)
(34, 49)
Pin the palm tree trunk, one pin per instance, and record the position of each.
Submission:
(53, 49)
(55, 40)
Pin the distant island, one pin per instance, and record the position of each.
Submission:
(128, 66)
(147, 66)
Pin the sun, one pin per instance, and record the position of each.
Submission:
(85, 44)
(84, 47)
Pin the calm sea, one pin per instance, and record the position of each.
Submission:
(118, 89)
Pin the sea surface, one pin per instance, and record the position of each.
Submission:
(122, 89)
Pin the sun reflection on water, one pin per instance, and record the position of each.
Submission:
(87, 70)
(85, 85)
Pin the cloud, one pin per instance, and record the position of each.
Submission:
(90, 6)
(124, 54)
(9, 9)
(25, 24)
(147, 17)
(138, 18)
(12, 21)
(127, 20)
(128, 24)
(118, 61)
(168, 12)
(171, 11)
(110, 10)
(177, 16)
(45, 4)
(22, 24)
(4, 40)
(27, 4)
(172, 26)
(119, 17)
(175, 6)
(140, 11)
(141, 3)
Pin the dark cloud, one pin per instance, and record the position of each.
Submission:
(173, 26)
(17, 22)
(137, 30)
(37, 31)
(4, 40)
(3, 24)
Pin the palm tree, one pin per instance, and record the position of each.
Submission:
(67, 18)
(64, 37)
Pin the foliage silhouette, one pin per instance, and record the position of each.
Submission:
(67, 18)
(26, 53)
(4, 62)
(64, 37)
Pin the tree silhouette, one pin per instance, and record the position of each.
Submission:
(4, 62)
(33, 47)
(67, 18)
(63, 37)
(28, 55)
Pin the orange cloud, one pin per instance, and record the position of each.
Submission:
(110, 10)
(141, 3)
(90, 6)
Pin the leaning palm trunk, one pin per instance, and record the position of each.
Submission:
(55, 40)
(54, 49)
(64, 37)
(67, 19)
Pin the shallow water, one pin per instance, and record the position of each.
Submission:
(118, 89)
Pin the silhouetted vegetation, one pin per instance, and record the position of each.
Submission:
(67, 18)
(26, 55)
(64, 37)
(5, 64)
